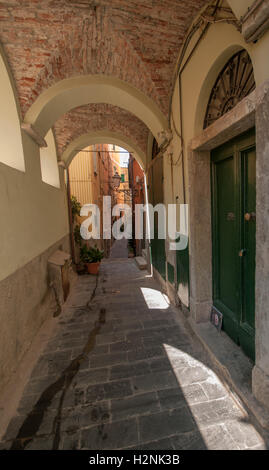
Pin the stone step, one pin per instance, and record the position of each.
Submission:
(144, 253)
(141, 262)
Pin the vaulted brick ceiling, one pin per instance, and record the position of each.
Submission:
(97, 117)
(137, 41)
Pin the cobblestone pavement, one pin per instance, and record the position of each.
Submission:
(123, 372)
(119, 249)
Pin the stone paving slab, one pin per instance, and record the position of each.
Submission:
(119, 249)
(122, 372)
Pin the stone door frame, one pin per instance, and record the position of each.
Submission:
(250, 112)
(232, 124)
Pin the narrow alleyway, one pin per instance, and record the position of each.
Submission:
(122, 371)
(119, 249)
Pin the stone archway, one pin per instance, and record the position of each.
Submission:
(99, 117)
(103, 137)
(74, 92)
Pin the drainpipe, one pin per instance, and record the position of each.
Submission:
(72, 241)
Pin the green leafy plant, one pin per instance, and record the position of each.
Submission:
(75, 206)
(77, 236)
(84, 254)
(91, 255)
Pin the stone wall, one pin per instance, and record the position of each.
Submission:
(26, 302)
(261, 370)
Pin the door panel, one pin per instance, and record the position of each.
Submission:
(226, 244)
(234, 229)
(227, 283)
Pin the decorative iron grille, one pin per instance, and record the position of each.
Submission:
(235, 82)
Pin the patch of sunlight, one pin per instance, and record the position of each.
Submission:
(200, 373)
(154, 298)
(200, 385)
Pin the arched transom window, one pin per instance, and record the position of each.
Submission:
(235, 82)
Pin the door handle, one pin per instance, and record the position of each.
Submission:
(242, 252)
(248, 216)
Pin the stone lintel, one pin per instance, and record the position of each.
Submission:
(255, 23)
(240, 119)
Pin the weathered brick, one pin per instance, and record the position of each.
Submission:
(97, 117)
(133, 41)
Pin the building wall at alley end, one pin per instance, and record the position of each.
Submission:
(90, 175)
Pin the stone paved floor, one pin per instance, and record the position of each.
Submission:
(123, 372)
(119, 249)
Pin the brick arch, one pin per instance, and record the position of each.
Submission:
(98, 117)
(103, 137)
(91, 50)
(139, 41)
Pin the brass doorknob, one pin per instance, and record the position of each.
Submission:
(248, 216)
(242, 252)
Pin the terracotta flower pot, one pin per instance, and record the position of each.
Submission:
(93, 268)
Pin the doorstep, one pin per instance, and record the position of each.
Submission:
(141, 263)
(145, 253)
(233, 366)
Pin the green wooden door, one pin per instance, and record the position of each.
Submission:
(158, 252)
(234, 231)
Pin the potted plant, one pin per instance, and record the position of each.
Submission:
(92, 258)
